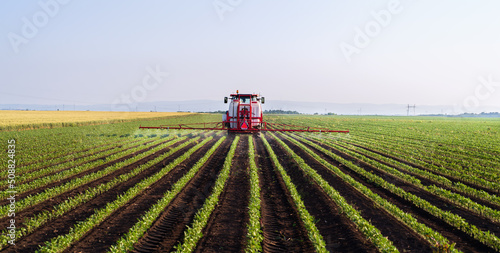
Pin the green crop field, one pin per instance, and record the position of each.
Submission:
(393, 184)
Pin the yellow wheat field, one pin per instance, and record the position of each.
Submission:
(37, 119)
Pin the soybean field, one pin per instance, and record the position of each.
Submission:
(393, 184)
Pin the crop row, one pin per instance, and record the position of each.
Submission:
(368, 230)
(478, 157)
(307, 219)
(399, 214)
(60, 243)
(38, 178)
(461, 175)
(254, 234)
(435, 190)
(468, 134)
(431, 155)
(71, 157)
(126, 242)
(69, 204)
(46, 144)
(435, 178)
(72, 184)
(193, 233)
(452, 219)
(475, 136)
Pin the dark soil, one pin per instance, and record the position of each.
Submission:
(83, 173)
(63, 224)
(428, 182)
(282, 228)
(339, 233)
(463, 241)
(478, 187)
(107, 233)
(226, 228)
(168, 230)
(76, 165)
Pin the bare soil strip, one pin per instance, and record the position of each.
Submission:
(76, 165)
(168, 230)
(102, 237)
(478, 187)
(226, 228)
(463, 241)
(83, 173)
(70, 153)
(428, 182)
(282, 228)
(475, 219)
(339, 233)
(62, 224)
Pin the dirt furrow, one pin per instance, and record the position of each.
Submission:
(479, 221)
(63, 224)
(226, 228)
(428, 182)
(68, 154)
(168, 229)
(478, 187)
(83, 173)
(282, 228)
(76, 165)
(463, 241)
(108, 232)
(339, 233)
(88, 207)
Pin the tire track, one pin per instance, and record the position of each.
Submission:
(108, 232)
(282, 228)
(451, 178)
(76, 165)
(427, 182)
(463, 241)
(83, 173)
(168, 230)
(60, 225)
(444, 204)
(226, 229)
(385, 222)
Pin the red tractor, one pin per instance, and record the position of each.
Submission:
(245, 116)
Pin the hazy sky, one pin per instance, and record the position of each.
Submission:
(362, 51)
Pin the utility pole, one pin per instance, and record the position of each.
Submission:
(408, 109)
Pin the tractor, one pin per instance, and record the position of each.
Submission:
(245, 115)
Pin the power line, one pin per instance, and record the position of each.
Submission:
(408, 109)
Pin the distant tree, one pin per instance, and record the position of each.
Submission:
(280, 112)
